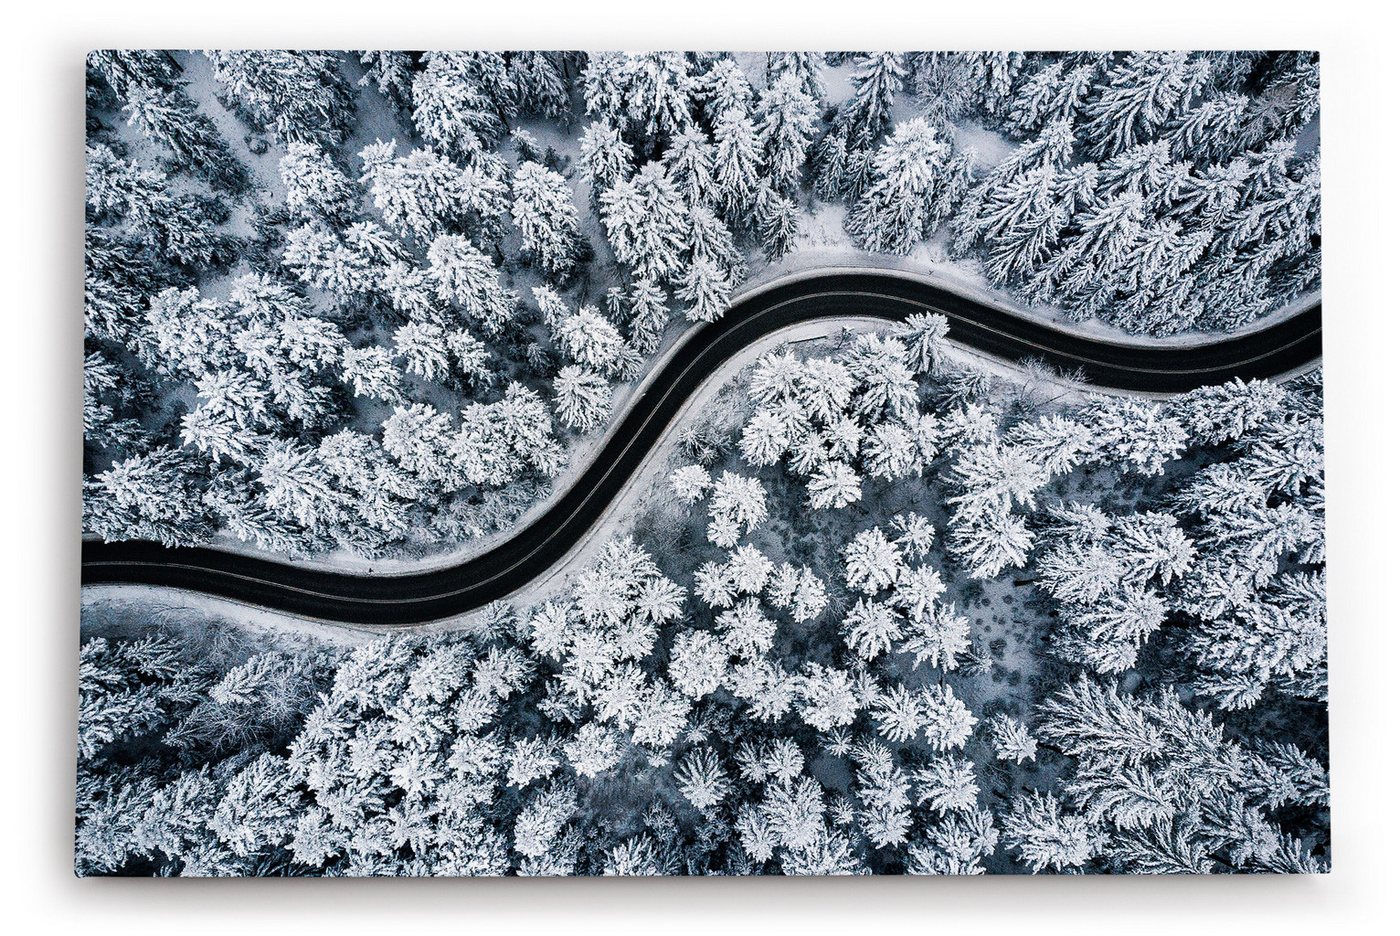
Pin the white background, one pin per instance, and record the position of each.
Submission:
(40, 431)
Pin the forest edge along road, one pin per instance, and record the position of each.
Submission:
(421, 597)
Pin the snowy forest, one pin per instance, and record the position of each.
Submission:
(882, 607)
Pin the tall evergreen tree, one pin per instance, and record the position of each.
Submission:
(544, 211)
(878, 77)
(316, 187)
(737, 164)
(296, 95)
(452, 107)
(806, 66)
(171, 118)
(901, 207)
(787, 119)
(645, 222)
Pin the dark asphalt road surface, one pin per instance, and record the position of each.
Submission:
(420, 597)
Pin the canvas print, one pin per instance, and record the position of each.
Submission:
(694, 463)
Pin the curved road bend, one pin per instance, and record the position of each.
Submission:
(419, 597)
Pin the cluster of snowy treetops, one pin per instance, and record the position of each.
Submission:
(352, 300)
(1232, 552)
(770, 709)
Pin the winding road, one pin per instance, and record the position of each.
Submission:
(421, 597)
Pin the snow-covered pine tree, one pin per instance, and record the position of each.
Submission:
(544, 211)
(296, 95)
(722, 88)
(155, 496)
(424, 194)
(423, 347)
(1057, 91)
(709, 239)
(1045, 834)
(705, 289)
(646, 313)
(989, 543)
(833, 484)
(1012, 740)
(468, 279)
(807, 66)
(589, 339)
(885, 386)
(644, 94)
(872, 562)
(877, 78)
(453, 108)
(993, 75)
(737, 505)
(690, 482)
(924, 334)
(832, 177)
(1138, 97)
(605, 156)
(539, 82)
(316, 187)
(371, 372)
(582, 398)
(127, 69)
(786, 122)
(899, 208)
(776, 221)
(176, 226)
(737, 163)
(645, 221)
(689, 162)
(872, 628)
(171, 119)
(702, 780)
(391, 73)
(1213, 131)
